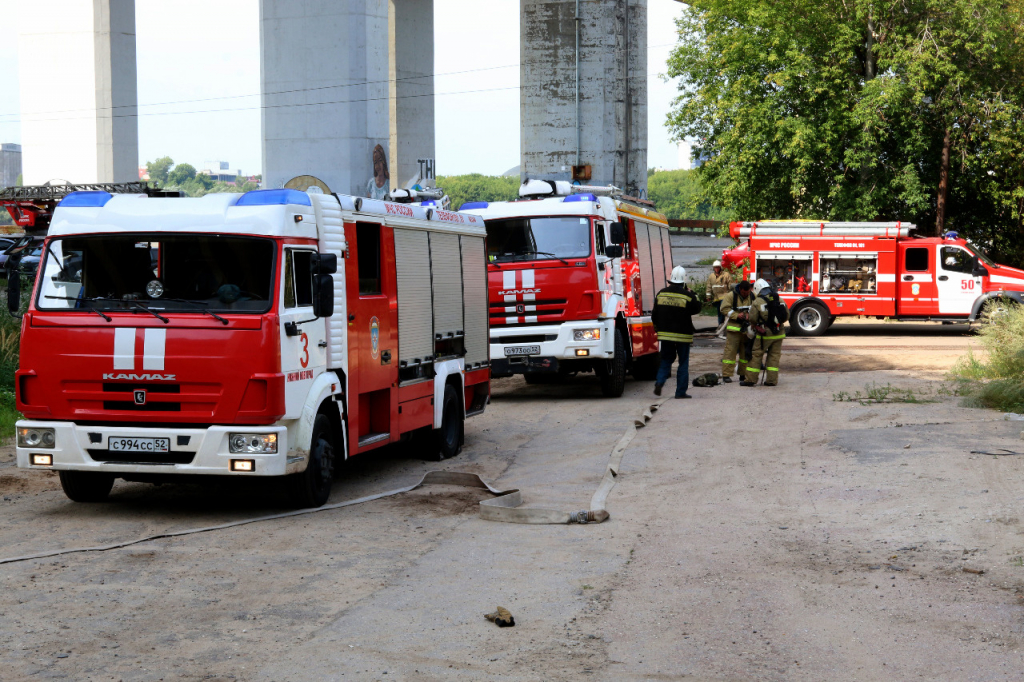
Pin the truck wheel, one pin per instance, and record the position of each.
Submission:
(645, 367)
(613, 376)
(447, 440)
(312, 487)
(810, 319)
(86, 486)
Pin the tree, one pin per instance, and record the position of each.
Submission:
(476, 187)
(158, 169)
(181, 174)
(908, 111)
(677, 194)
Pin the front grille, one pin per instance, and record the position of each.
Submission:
(149, 388)
(119, 457)
(126, 390)
(544, 309)
(131, 406)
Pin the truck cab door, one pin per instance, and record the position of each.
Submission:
(916, 286)
(957, 286)
(303, 336)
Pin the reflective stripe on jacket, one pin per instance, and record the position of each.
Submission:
(674, 307)
(732, 305)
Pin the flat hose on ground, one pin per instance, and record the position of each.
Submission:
(503, 507)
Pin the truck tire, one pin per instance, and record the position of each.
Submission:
(312, 487)
(810, 319)
(645, 367)
(86, 486)
(446, 441)
(613, 376)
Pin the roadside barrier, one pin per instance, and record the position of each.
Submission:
(504, 507)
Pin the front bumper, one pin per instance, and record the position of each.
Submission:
(554, 340)
(208, 448)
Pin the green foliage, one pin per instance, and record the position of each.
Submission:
(700, 287)
(181, 174)
(677, 194)
(158, 169)
(476, 187)
(997, 381)
(876, 393)
(840, 111)
(20, 180)
(9, 414)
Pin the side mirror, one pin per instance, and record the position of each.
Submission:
(979, 270)
(323, 295)
(613, 251)
(14, 285)
(324, 263)
(618, 235)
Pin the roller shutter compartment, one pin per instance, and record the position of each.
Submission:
(649, 288)
(474, 287)
(666, 244)
(446, 274)
(415, 307)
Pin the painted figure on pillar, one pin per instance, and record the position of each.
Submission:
(378, 186)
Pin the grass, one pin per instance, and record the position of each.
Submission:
(700, 287)
(997, 380)
(876, 394)
(706, 261)
(10, 339)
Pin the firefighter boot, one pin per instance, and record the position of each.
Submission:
(733, 349)
(773, 354)
(757, 350)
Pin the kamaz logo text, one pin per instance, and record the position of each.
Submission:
(513, 292)
(138, 377)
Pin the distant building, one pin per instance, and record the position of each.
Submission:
(220, 171)
(10, 164)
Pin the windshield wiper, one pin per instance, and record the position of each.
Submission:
(547, 253)
(106, 317)
(204, 310)
(148, 310)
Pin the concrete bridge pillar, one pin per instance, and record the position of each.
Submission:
(77, 82)
(411, 29)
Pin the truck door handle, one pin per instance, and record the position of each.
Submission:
(908, 278)
(351, 317)
(322, 344)
(385, 357)
(943, 278)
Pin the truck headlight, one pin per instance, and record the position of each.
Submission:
(36, 438)
(586, 335)
(252, 443)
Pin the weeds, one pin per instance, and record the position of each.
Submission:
(997, 380)
(706, 261)
(876, 394)
(700, 287)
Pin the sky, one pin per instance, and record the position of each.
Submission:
(199, 82)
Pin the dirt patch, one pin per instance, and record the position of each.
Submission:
(28, 482)
(438, 501)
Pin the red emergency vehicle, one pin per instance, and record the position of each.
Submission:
(826, 269)
(271, 333)
(573, 272)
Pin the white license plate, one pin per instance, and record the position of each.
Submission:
(125, 444)
(522, 350)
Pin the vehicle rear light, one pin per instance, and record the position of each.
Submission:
(243, 465)
(41, 460)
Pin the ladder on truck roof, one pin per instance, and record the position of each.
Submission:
(32, 206)
(812, 228)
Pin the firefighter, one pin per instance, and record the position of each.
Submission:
(719, 282)
(735, 305)
(674, 307)
(768, 314)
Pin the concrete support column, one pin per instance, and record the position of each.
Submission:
(612, 110)
(411, 31)
(324, 81)
(79, 95)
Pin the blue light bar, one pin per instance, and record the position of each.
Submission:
(579, 197)
(428, 203)
(473, 204)
(86, 199)
(274, 197)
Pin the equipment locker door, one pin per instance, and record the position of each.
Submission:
(372, 299)
(957, 286)
(916, 287)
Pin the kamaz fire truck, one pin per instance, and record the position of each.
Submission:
(827, 269)
(573, 272)
(271, 333)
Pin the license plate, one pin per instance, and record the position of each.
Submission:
(522, 350)
(125, 444)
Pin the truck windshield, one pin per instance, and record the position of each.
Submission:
(980, 253)
(158, 271)
(538, 238)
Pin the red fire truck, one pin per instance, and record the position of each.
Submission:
(826, 269)
(271, 333)
(573, 275)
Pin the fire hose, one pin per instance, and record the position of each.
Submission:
(504, 507)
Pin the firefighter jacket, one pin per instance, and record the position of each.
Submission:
(734, 303)
(674, 307)
(718, 285)
(770, 316)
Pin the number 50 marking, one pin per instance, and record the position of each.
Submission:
(964, 284)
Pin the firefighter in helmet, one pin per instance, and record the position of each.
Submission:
(734, 309)
(674, 307)
(718, 285)
(768, 315)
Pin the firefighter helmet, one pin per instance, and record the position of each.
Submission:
(717, 264)
(678, 275)
(759, 285)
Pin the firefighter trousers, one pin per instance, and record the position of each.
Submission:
(770, 347)
(735, 354)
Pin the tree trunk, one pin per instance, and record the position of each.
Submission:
(869, 74)
(940, 203)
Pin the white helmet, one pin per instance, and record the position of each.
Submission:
(759, 285)
(717, 264)
(678, 275)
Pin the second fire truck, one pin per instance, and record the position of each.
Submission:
(573, 272)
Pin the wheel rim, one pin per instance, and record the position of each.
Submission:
(809, 318)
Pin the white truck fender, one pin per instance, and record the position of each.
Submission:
(324, 386)
(442, 370)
